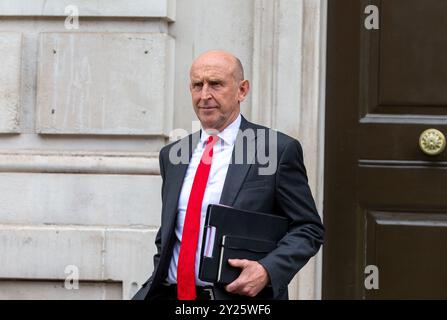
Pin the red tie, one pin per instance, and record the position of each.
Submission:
(186, 279)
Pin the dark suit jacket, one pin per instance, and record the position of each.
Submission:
(285, 192)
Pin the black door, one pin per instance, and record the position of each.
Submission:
(385, 200)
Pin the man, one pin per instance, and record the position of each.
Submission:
(211, 175)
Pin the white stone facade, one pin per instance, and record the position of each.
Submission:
(84, 112)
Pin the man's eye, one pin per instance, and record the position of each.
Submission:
(215, 84)
(197, 85)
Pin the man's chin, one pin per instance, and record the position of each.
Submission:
(209, 124)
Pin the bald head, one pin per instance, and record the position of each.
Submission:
(233, 64)
(217, 88)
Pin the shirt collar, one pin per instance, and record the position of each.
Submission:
(228, 135)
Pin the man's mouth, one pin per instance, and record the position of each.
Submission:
(208, 107)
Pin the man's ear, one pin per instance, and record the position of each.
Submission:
(244, 88)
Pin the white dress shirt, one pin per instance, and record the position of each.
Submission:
(222, 152)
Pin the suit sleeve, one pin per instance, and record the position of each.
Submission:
(158, 236)
(305, 235)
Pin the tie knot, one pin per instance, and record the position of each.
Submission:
(212, 139)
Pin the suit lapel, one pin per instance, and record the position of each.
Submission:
(175, 182)
(237, 172)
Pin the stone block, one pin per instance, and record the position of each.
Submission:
(80, 199)
(105, 83)
(56, 290)
(10, 71)
(87, 8)
(101, 256)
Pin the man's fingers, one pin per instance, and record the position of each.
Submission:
(235, 286)
(247, 283)
(239, 263)
(232, 287)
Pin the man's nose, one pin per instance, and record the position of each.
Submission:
(205, 93)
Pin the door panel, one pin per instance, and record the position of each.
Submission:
(417, 238)
(385, 200)
(400, 186)
(412, 74)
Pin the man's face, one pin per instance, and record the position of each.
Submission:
(216, 93)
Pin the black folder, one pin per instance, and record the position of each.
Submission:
(240, 248)
(233, 233)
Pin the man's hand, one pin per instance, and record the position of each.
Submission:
(252, 279)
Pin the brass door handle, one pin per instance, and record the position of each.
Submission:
(432, 142)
